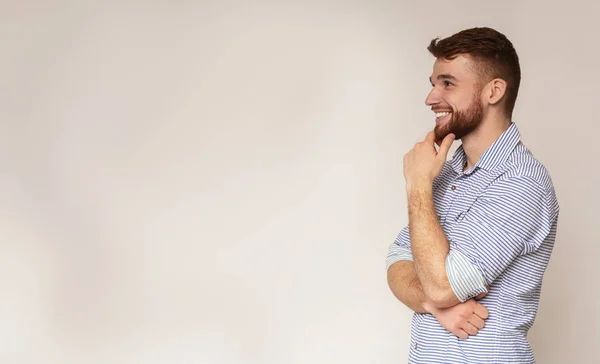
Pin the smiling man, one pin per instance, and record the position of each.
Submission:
(482, 225)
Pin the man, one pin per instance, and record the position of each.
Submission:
(481, 226)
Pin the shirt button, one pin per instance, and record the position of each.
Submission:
(416, 346)
(453, 188)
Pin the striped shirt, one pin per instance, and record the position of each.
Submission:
(500, 218)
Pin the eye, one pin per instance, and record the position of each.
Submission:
(448, 83)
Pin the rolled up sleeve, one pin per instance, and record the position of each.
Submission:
(399, 249)
(513, 217)
(465, 279)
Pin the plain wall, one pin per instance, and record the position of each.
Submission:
(218, 182)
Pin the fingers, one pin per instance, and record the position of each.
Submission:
(445, 147)
(477, 321)
(430, 138)
(461, 334)
(481, 311)
(470, 329)
(471, 323)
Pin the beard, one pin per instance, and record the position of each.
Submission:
(462, 122)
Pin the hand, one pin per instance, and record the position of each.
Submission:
(462, 320)
(423, 163)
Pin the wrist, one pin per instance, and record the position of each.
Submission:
(419, 186)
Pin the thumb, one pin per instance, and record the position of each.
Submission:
(445, 147)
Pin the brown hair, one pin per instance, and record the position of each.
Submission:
(493, 54)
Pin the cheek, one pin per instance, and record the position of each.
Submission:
(453, 103)
(462, 105)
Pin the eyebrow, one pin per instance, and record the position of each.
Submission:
(444, 77)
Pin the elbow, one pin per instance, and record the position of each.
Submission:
(441, 297)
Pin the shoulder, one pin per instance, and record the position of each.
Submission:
(522, 166)
(527, 177)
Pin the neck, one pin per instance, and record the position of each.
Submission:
(478, 141)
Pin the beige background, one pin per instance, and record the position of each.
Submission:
(218, 182)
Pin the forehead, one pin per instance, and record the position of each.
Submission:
(460, 67)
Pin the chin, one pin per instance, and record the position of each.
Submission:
(440, 134)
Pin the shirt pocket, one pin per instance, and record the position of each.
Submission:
(455, 217)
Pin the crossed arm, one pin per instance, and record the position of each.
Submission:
(424, 285)
(447, 278)
(432, 275)
(462, 320)
(430, 247)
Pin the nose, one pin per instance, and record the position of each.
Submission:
(433, 98)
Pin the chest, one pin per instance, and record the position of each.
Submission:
(456, 194)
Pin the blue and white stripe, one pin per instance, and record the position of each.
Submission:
(500, 217)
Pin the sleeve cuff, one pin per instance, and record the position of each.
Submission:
(397, 253)
(465, 279)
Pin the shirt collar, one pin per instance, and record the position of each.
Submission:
(495, 155)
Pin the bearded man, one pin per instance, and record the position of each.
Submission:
(482, 225)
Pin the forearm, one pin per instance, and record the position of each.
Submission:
(429, 246)
(405, 285)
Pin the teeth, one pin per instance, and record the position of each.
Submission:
(441, 114)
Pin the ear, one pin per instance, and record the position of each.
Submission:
(496, 90)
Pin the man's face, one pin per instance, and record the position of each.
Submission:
(455, 98)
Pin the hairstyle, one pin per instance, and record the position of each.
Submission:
(492, 53)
